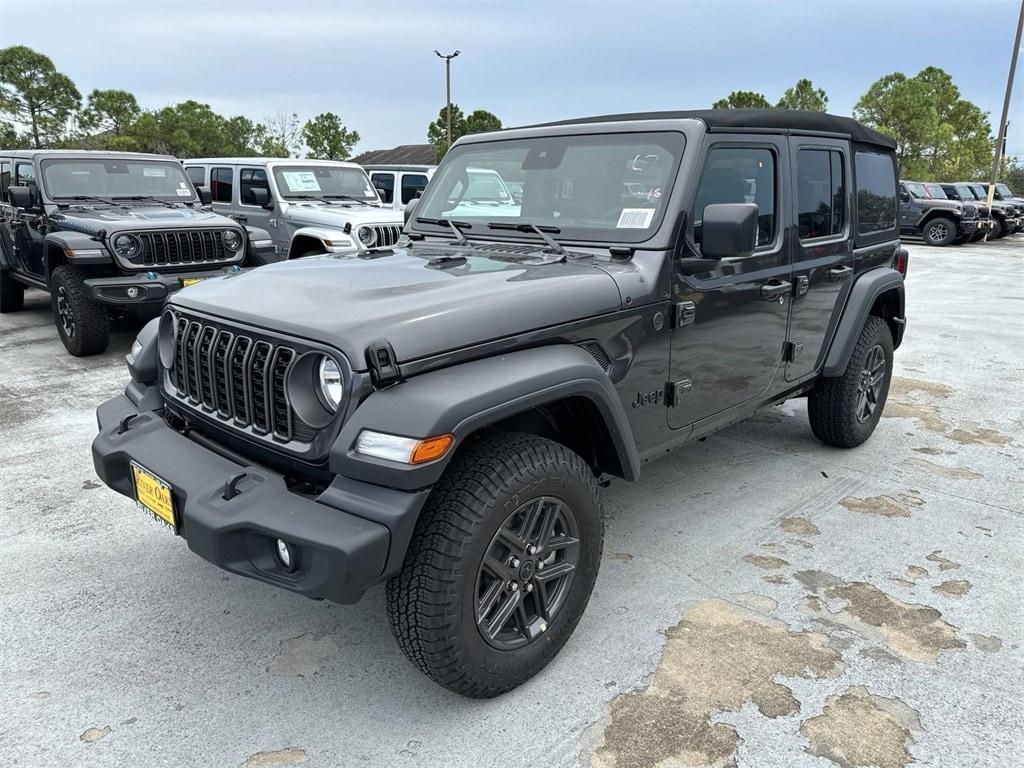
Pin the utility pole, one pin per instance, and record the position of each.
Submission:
(998, 155)
(448, 85)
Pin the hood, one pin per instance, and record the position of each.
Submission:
(137, 218)
(339, 215)
(421, 308)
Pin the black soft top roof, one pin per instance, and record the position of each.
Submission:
(784, 120)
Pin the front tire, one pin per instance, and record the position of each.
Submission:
(501, 565)
(997, 231)
(845, 410)
(939, 231)
(82, 324)
(12, 293)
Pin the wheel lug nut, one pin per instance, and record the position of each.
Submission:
(543, 627)
(540, 565)
(532, 550)
(529, 587)
(514, 587)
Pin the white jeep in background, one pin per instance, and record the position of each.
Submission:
(307, 206)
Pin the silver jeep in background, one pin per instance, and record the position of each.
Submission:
(307, 206)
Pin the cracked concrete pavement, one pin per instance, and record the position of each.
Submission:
(764, 600)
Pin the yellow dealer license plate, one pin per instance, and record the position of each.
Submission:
(154, 496)
(187, 281)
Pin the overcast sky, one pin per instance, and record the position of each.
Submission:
(373, 63)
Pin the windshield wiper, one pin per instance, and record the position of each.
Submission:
(540, 230)
(144, 197)
(347, 197)
(456, 227)
(307, 197)
(81, 198)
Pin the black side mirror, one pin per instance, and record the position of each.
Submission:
(904, 197)
(409, 208)
(729, 230)
(383, 194)
(260, 196)
(23, 197)
(204, 194)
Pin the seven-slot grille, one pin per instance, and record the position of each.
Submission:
(182, 248)
(236, 377)
(387, 234)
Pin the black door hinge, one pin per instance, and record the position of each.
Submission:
(676, 391)
(686, 311)
(792, 351)
(383, 365)
(803, 282)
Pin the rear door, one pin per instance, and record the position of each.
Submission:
(732, 314)
(222, 189)
(823, 257)
(412, 185)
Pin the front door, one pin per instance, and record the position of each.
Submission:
(731, 314)
(823, 259)
(384, 182)
(28, 235)
(250, 214)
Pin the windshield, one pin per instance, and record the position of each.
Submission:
(916, 189)
(980, 191)
(1003, 190)
(320, 181)
(609, 187)
(965, 192)
(934, 190)
(116, 178)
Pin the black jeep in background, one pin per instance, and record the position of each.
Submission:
(1003, 216)
(104, 233)
(441, 414)
(926, 212)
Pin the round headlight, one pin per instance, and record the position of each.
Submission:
(232, 240)
(367, 236)
(331, 385)
(126, 246)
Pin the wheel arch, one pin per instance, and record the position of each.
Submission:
(877, 292)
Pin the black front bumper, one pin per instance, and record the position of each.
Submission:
(149, 287)
(340, 554)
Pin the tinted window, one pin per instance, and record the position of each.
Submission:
(24, 173)
(820, 193)
(412, 185)
(739, 175)
(197, 175)
(876, 192)
(250, 179)
(5, 179)
(386, 183)
(220, 185)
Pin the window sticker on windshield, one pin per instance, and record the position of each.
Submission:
(183, 193)
(155, 173)
(635, 218)
(301, 181)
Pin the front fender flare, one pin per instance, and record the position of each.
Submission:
(341, 242)
(79, 248)
(465, 398)
(862, 297)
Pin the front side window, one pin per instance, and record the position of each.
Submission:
(821, 193)
(876, 192)
(24, 173)
(5, 179)
(220, 184)
(739, 175)
(412, 185)
(248, 180)
(196, 174)
(324, 182)
(115, 178)
(579, 187)
(385, 182)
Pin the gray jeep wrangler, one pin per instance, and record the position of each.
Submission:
(441, 414)
(925, 211)
(107, 233)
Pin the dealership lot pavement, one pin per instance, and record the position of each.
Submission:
(762, 599)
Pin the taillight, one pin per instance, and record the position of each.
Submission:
(900, 259)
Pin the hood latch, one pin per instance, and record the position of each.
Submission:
(384, 370)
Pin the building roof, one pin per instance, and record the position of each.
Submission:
(784, 120)
(405, 154)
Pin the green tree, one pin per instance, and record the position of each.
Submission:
(803, 95)
(1013, 175)
(327, 138)
(9, 138)
(437, 131)
(283, 134)
(109, 111)
(743, 100)
(34, 93)
(482, 121)
(938, 134)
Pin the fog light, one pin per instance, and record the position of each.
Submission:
(286, 554)
(133, 292)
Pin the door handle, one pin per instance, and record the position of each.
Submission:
(772, 291)
(240, 219)
(838, 273)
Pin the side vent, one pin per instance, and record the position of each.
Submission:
(597, 352)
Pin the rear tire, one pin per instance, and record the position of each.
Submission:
(939, 232)
(997, 231)
(845, 410)
(12, 293)
(472, 543)
(82, 324)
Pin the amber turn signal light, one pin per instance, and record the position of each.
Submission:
(431, 448)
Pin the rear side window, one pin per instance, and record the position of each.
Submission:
(739, 175)
(821, 193)
(250, 179)
(385, 182)
(412, 185)
(197, 175)
(220, 185)
(876, 192)
(5, 179)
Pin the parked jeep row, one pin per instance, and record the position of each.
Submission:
(955, 213)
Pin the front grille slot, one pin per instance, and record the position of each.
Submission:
(236, 378)
(387, 235)
(182, 248)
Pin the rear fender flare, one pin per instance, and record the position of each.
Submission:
(865, 292)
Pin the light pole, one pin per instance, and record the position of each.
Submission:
(997, 159)
(448, 87)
